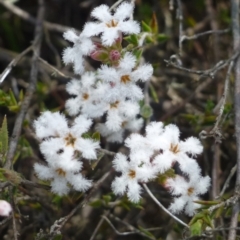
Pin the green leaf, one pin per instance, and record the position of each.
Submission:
(207, 203)
(58, 237)
(96, 203)
(138, 53)
(196, 228)
(107, 198)
(147, 233)
(146, 27)
(132, 39)
(153, 93)
(146, 111)
(4, 138)
(161, 38)
(13, 99)
(96, 137)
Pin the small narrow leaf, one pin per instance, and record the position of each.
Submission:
(4, 137)
(13, 99)
(153, 93)
(146, 27)
(196, 228)
(96, 137)
(154, 24)
(147, 233)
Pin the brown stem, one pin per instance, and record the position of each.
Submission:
(31, 88)
(236, 42)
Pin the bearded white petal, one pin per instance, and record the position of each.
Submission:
(191, 145)
(142, 73)
(134, 191)
(59, 186)
(102, 13)
(177, 205)
(119, 185)
(78, 182)
(120, 163)
(70, 35)
(124, 10)
(43, 172)
(81, 125)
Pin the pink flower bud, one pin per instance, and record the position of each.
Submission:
(99, 55)
(5, 208)
(114, 55)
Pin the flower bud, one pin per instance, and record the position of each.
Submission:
(114, 55)
(5, 208)
(99, 55)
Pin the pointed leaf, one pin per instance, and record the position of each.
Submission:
(146, 27)
(154, 24)
(153, 93)
(4, 137)
(196, 228)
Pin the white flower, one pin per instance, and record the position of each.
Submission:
(61, 140)
(60, 178)
(82, 46)
(186, 193)
(5, 208)
(173, 149)
(110, 25)
(122, 80)
(132, 174)
(87, 98)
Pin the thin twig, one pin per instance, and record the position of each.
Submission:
(226, 184)
(58, 225)
(31, 88)
(13, 63)
(97, 228)
(209, 72)
(162, 207)
(130, 227)
(26, 16)
(223, 100)
(55, 70)
(115, 5)
(236, 43)
(15, 232)
(124, 233)
(197, 35)
(180, 18)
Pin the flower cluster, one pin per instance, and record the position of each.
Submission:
(112, 91)
(63, 148)
(155, 154)
(111, 94)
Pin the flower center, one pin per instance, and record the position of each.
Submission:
(112, 23)
(114, 105)
(132, 174)
(190, 191)
(174, 148)
(125, 79)
(61, 172)
(70, 140)
(85, 96)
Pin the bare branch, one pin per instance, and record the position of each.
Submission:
(196, 36)
(13, 63)
(162, 207)
(26, 16)
(236, 43)
(30, 90)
